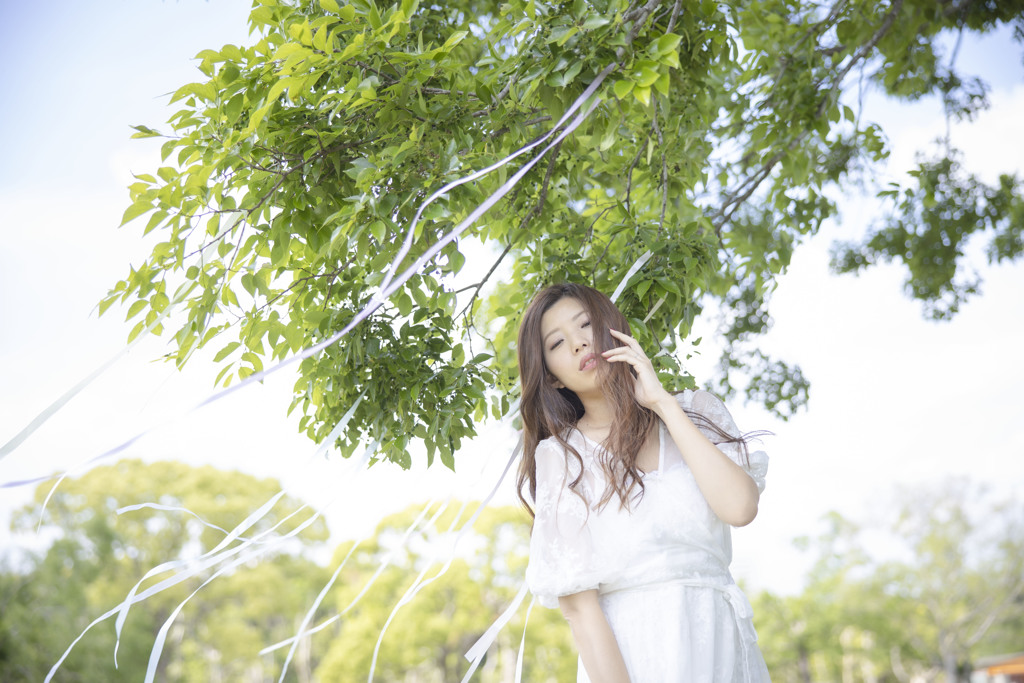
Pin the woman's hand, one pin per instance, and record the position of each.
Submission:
(649, 391)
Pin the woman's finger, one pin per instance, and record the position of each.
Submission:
(629, 342)
(625, 338)
(627, 355)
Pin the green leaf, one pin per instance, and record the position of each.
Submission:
(663, 84)
(136, 331)
(145, 132)
(453, 40)
(643, 95)
(403, 302)
(136, 308)
(645, 74)
(135, 210)
(159, 302)
(226, 351)
(622, 88)
(280, 252)
(664, 45)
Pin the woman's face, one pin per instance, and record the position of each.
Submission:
(568, 342)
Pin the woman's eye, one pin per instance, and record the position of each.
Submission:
(586, 323)
(555, 345)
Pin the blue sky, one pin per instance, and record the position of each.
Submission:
(895, 399)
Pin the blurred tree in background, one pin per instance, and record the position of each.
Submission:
(95, 556)
(722, 136)
(430, 635)
(917, 595)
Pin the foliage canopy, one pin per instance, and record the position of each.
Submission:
(717, 141)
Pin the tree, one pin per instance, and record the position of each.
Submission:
(429, 636)
(948, 591)
(715, 142)
(96, 556)
(968, 573)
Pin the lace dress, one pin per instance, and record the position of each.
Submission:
(661, 569)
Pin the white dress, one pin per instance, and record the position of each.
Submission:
(661, 569)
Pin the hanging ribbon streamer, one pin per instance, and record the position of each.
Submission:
(158, 645)
(418, 584)
(410, 234)
(337, 572)
(389, 286)
(52, 409)
(205, 561)
(185, 570)
(173, 508)
(384, 564)
(522, 643)
(178, 578)
(220, 552)
(654, 309)
(387, 560)
(640, 263)
(475, 654)
(410, 593)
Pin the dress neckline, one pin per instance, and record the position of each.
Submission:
(661, 448)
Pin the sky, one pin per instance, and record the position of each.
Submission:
(896, 400)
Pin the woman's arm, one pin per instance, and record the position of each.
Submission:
(594, 638)
(731, 492)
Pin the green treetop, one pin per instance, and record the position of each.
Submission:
(714, 145)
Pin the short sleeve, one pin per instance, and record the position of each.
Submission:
(711, 407)
(562, 556)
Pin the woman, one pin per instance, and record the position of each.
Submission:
(634, 491)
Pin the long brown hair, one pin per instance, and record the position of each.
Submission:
(550, 412)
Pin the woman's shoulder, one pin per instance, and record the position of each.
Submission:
(555, 447)
(685, 397)
(552, 455)
(699, 400)
(553, 443)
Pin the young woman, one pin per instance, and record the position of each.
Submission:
(634, 490)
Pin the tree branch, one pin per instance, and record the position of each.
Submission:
(639, 16)
(675, 15)
(530, 215)
(664, 169)
(749, 185)
(632, 165)
(479, 285)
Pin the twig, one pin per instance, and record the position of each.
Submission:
(632, 165)
(639, 16)
(746, 188)
(664, 169)
(532, 122)
(530, 215)
(675, 15)
(486, 277)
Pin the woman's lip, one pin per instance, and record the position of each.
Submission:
(588, 361)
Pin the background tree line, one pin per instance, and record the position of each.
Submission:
(947, 587)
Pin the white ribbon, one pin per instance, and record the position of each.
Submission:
(522, 642)
(640, 262)
(476, 653)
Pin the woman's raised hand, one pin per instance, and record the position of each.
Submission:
(649, 391)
